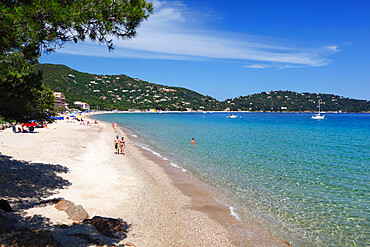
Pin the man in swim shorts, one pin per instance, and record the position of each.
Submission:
(116, 144)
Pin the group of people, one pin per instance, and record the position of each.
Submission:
(24, 128)
(119, 145)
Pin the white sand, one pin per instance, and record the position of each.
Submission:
(130, 187)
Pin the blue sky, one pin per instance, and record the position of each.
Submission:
(227, 49)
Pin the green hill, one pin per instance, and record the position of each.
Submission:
(288, 101)
(122, 92)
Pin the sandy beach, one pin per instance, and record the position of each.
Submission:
(162, 205)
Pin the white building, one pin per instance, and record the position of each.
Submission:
(83, 105)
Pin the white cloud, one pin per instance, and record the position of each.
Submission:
(334, 48)
(257, 66)
(170, 34)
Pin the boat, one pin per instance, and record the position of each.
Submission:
(318, 115)
(232, 116)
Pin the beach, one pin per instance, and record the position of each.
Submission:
(161, 204)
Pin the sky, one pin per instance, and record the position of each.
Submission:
(227, 49)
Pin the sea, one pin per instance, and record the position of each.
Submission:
(305, 179)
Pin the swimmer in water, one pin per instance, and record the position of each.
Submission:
(192, 141)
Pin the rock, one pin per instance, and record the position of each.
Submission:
(27, 237)
(109, 227)
(4, 205)
(63, 205)
(76, 212)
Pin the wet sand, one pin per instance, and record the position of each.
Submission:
(164, 205)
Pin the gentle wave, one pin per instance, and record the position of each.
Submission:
(143, 146)
(232, 210)
(174, 165)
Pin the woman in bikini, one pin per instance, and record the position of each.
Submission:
(122, 145)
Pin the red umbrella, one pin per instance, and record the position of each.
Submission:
(33, 124)
(26, 124)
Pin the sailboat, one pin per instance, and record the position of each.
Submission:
(318, 116)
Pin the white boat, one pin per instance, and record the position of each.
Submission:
(232, 116)
(318, 115)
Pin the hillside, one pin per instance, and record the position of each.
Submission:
(122, 92)
(289, 101)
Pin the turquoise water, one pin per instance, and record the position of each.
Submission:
(306, 179)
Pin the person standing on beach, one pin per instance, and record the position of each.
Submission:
(192, 141)
(116, 144)
(122, 145)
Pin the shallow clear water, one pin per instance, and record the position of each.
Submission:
(307, 179)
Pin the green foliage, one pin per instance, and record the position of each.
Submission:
(25, 98)
(30, 27)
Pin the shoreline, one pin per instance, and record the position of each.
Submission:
(165, 206)
(165, 112)
(209, 200)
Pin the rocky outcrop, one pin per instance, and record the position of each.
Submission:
(113, 228)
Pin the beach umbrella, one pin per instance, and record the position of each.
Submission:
(72, 116)
(32, 124)
(79, 117)
(25, 125)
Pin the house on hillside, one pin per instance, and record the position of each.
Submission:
(82, 105)
(59, 100)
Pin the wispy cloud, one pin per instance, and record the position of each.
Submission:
(257, 66)
(333, 48)
(170, 34)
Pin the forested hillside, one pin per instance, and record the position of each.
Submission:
(121, 92)
(296, 102)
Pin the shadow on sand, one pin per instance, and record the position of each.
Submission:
(26, 185)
